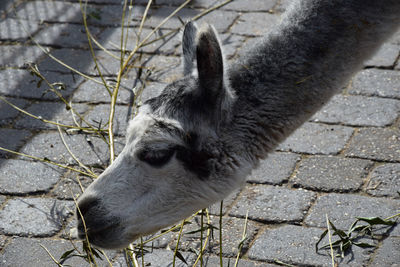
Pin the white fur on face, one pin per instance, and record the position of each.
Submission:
(135, 198)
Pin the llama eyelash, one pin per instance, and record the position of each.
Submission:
(156, 157)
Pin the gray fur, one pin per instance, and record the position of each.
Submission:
(188, 47)
(296, 68)
(198, 140)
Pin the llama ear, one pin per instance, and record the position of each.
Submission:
(189, 47)
(209, 61)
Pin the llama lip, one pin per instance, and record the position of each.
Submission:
(101, 230)
(98, 237)
(110, 237)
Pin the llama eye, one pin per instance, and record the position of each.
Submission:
(156, 158)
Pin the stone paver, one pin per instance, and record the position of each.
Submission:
(49, 11)
(164, 69)
(225, 18)
(282, 5)
(111, 39)
(17, 30)
(385, 57)
(296, 245)
(65, 35)
(164, 257)
(12, 139)
(232, 233)
(256, 5)
(385, 181)
(89, 149)
(92, 92)
(315, 138)
(276, 169)
(273, 204)
(16, 56)
(215, 209)
(3, 240)
(21, 177)
(327, 173)
(35, 254)
(376, 143)
(359, 111)
(159, 257)
(111, 14)
(19, 83)
(342, 209)
(34, 216)
(347, 155)
(386, 255)
(8, 113)
(151, 90)
(2, 199)
(81, 60)
(376, 82)
(52, 111)
(122, 115)
(211, 260)
(69, 188)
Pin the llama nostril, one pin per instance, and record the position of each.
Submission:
(84, 206)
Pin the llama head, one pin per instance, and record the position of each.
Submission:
(175, 161)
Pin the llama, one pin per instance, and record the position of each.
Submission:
(198, 140)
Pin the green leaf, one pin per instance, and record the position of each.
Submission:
(342, 234)
(358, 228)
(332, 225)
(376, 221)
(97, 253)
(59, 86)
(94, 13)
(165, 230)
(353, 226)
(39, 83)
(66, 255)
(242, 242)
(346, 246)
(180, 256)
(335, 244)
(320, 239)
(364, 245)
(204, 228)
(283, 263)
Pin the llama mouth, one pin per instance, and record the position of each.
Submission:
(99, 236)
(99, 231)
(106, 237)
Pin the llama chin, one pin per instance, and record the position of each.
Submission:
(198, 140)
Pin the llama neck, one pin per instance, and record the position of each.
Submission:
(296, 68)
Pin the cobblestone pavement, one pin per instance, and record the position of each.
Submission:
(343, 163)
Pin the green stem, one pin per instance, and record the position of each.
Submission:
(220, 233)
(47, 161)
(177, 243)
(201, 237)
(391, 217)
